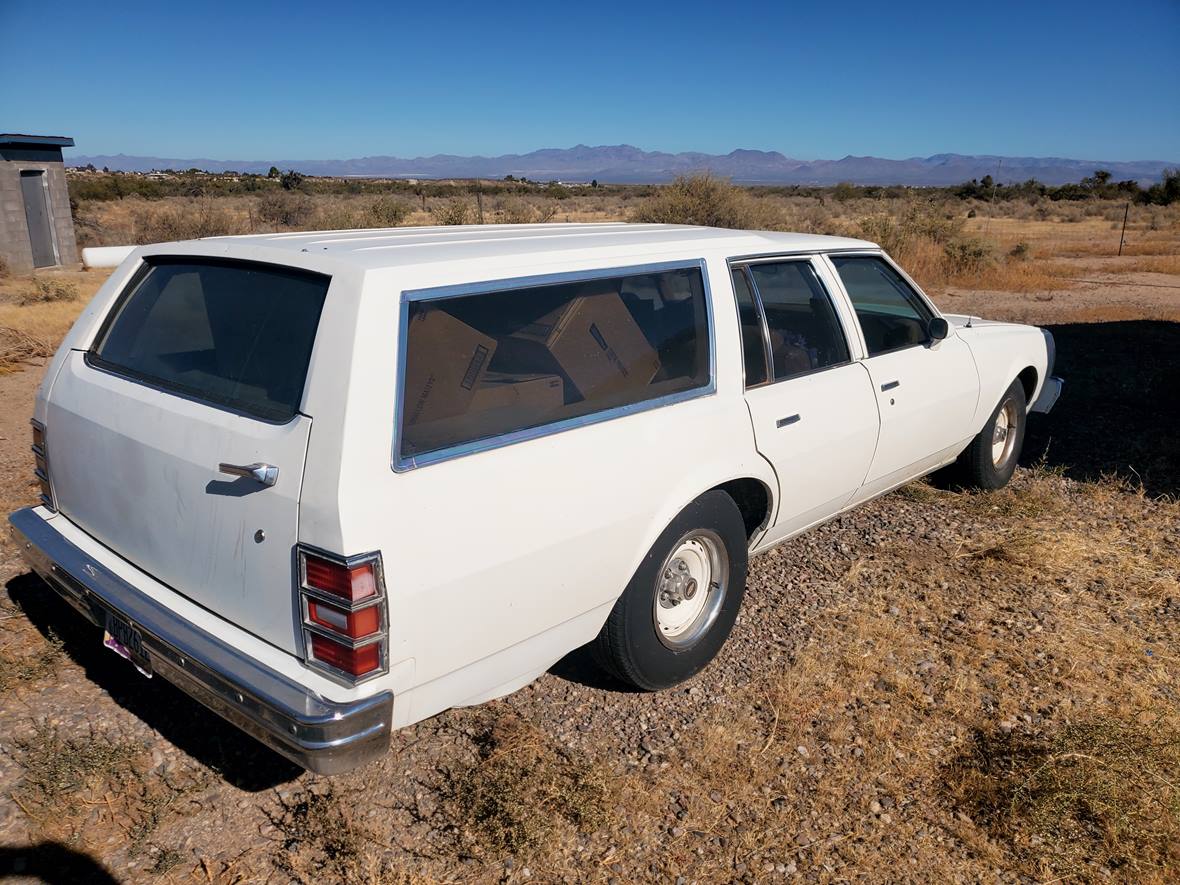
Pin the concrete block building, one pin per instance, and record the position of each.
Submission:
(36, 227)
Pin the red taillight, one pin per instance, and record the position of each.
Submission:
(351, 584)
(354, 625)
(344, 614)
(353, 661)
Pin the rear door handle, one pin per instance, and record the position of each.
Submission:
(267, 474)
(788, 421)
(889, 385)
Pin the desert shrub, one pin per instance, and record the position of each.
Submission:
(3, 267)
(917, 221)
(291, 180)
(707, 200)
(286, 209)
(1020, 252)
(514, 211)
(188, 221)
(49, 289)
(967, 255)
(455, 211)
(388, 212)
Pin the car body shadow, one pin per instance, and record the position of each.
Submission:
(201, 733)
(1119, 413)
(53, 863)
(578, 666)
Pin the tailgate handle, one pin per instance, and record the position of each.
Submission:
(267, 474)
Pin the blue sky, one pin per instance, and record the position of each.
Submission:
(317, 80)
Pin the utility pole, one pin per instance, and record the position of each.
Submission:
(1123, 237)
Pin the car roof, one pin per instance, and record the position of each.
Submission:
(407, 246)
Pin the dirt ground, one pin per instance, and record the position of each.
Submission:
(940, 687)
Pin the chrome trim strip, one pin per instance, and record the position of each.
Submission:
(321, 735)
(47, 497)
(402, 465)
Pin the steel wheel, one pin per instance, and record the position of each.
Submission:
(690, 588)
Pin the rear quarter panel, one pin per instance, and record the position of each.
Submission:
(487, 551)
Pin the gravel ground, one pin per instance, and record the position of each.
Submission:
(867, 654)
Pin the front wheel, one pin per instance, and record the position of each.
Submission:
(681, 604)
(990, 460)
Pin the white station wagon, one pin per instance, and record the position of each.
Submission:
(331, 484)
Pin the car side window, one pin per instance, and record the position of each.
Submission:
(753, 344)
(891, 314)
(804, 332)
(505, 361)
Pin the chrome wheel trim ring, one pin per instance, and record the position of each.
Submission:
(1004, 434)
(690, 588)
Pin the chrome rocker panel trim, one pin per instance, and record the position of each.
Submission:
(321, 735)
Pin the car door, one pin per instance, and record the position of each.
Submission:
(926, 389)
(811, 403)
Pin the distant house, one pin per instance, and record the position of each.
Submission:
(36, 227)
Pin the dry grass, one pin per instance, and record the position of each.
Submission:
(522, 791)
(56, 768)
(323, 842)
(815, 767)
(1098, 793)
(21, 669)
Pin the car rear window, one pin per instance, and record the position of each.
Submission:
(499, 363)
(232, 334)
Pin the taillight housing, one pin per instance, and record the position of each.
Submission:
(345, 622)
(41, 459)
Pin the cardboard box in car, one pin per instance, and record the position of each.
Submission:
(596, 344)
(535, 394)
(500, 404)
(447, 361)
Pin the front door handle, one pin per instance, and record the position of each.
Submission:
(889, 385)
(267, 474)
(787, 421)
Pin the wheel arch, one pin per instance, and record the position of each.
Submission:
(754, 500)
(1029, 379)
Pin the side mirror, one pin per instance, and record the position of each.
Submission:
(938, 328)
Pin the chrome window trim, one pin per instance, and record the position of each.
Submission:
(488, 287)
(809, 257)
(923, 299)
(767, 367)
(146, 264)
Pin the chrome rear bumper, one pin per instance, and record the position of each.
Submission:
(321, 735)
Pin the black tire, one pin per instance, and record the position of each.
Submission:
(977, 467)
(631, 646)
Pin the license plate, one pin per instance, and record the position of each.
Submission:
(125, 641)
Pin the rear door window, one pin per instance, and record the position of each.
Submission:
(501, 362)
(805, 334)
(232, 334)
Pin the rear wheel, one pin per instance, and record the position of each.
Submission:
(990, 460)
(681, 604)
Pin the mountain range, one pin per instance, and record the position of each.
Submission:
(624, 164)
